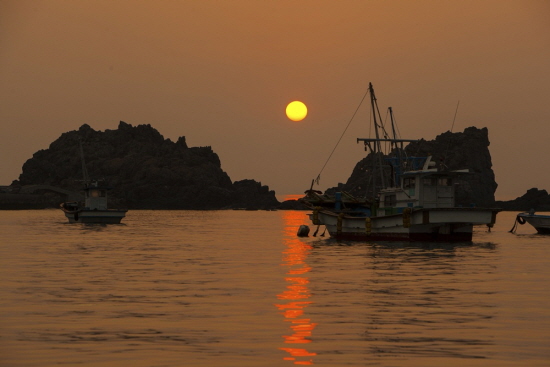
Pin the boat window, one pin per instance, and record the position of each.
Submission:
(390, 200)
(98, 193)
(408, 183)
(430, 181)
(444, 181)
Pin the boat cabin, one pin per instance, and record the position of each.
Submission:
(424, 188)
(96, 196)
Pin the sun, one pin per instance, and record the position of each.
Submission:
(296, 111)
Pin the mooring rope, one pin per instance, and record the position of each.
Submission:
(519, 220)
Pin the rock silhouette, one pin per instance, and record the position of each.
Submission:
(453, 151)
(148, 171)
(145, 170)
(538, 200)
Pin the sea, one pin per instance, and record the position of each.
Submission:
(240, 288)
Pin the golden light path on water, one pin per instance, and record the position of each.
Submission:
(296, 294)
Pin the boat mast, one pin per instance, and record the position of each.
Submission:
(392, 124)
(374, 106)
(375, 146)
(377, 143)
(398, 146)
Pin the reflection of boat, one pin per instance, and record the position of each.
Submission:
(540, 222)
(411, 199)
(95, 208)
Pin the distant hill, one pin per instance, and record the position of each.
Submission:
(145, 170)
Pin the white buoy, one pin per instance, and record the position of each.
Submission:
(303, 231)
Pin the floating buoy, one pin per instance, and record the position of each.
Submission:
(303, 231)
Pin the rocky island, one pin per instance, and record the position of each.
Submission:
(145, 170)
(453, 151)
(538, 200)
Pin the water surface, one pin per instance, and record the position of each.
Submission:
(238, 288)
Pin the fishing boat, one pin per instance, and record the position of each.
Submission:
(94, 209)
(408, 199)
(540, 222)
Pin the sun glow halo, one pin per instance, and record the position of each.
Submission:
(296, 111)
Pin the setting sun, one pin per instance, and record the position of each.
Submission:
(296, 111)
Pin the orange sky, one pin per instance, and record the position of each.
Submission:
(221, 74)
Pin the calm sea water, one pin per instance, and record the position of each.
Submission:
(239, 288)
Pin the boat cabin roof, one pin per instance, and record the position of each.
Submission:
(435, 172)
(96, 186)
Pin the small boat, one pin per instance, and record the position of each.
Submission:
(411, 199)
(94, 209)
(540, 222)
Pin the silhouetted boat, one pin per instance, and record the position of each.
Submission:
(540, 222)
(94, 209)
(416, 204)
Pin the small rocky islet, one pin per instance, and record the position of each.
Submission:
(145, 171)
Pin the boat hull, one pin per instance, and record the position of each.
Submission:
(427, 225)
(540, 222)
(111, 216)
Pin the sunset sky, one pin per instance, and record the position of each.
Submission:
(221, 73)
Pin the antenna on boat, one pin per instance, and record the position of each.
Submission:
(451, 131)
(454, 118)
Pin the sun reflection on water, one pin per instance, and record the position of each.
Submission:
(297, 291)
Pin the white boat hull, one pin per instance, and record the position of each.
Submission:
(434, 224)
(540, 222)
(111, 216)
